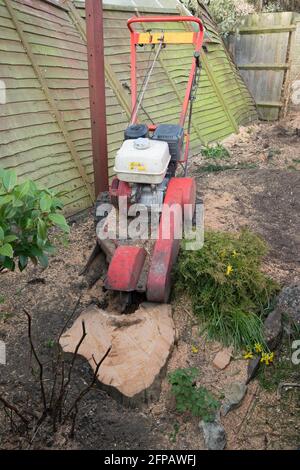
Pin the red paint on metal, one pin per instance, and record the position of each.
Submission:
(125, 268)
(181, 191)
(95, 47)
(164, 19)
(119, 189)
(198, 41)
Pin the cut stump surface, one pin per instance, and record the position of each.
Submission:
(141, 344)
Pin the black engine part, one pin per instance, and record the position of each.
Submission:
(136, 131)
(174, 135)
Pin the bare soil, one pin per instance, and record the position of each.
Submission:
(266, 198)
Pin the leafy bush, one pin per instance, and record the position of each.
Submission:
(197, 400)
(217, 152)
(228, 290)
(26, 216)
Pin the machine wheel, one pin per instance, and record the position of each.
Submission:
(103, 198)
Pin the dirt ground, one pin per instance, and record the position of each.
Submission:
(261, 190)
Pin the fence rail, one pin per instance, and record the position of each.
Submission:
(264, 50)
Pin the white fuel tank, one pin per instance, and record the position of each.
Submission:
(142, 161)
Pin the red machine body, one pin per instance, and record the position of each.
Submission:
(127, 266)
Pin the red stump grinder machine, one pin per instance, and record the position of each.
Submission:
(145, 168)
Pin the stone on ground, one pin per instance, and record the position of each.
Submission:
(273, 329)
(141, 344)
(234, 395)
(273, 334)
(214, 435)
(223, 358)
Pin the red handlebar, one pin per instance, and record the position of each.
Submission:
(164, 19)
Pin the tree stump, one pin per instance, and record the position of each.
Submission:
(141, 344)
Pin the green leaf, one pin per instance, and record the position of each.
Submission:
(10, 238)
(9, 180)
(1, 234)
(44, 261)
(17, 202)
(8, 263)
(24, 189)
(35, 252)
(6, 199)
(10, 212)
(42, 230)
(60, 221)
(7, 250)
(45, 203)
(50, 248)
(23, 261)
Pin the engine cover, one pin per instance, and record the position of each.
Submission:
(142, 161)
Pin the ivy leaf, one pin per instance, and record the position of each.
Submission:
(7, 250)
(9, 180)
(60, 221)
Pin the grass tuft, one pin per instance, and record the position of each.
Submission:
(229, 292)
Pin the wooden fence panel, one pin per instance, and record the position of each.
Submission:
(261, 49)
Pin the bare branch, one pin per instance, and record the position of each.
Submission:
(14, 409)
(76, 353)
(59, 354)
(88, 388)
(64, 385)
(41, 368)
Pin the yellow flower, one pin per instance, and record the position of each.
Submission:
(195, 350)
(267, 358)
(222, 254)
(235, 254)
(229, 270)
(258, 348)
(248, 355)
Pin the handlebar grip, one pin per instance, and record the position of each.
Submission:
(164, 19)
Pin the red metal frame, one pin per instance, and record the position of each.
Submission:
(127, 262)
(180, 192)
(125, 268)
(134, 40)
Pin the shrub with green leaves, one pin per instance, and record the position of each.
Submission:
(27, 214)
(217, 152)
(196, 400)
(227, 287)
